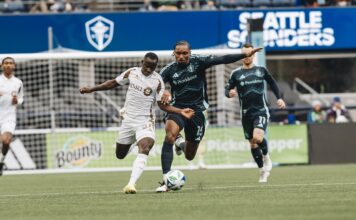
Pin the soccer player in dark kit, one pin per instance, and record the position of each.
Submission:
(186, 76)
(250, 88)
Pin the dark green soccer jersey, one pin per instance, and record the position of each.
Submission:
(250, 87)
(188, 83)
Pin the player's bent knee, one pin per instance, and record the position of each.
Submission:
(189, 157)
(170, 138)
(120, 153)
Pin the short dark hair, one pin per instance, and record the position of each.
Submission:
(151, 55)
(247, 45)
(3, 60)
(182, 42)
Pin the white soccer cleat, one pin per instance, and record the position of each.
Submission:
(179, 144)
(162, 188)
(130, 189)
(264, 174)
(201, 165)
(267, 162)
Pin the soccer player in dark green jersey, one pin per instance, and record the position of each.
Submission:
(249, 83)
(186, 76)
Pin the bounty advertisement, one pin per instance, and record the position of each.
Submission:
(224, 147)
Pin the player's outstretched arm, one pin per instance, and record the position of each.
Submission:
(231, 58)
(186, 112)
(109, 84)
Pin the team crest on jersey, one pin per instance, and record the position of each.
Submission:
(147, 91)
(259, 73)
(99, 31)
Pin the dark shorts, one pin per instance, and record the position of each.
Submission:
(194, 128)
(251, 122)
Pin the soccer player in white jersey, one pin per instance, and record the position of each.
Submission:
(145, 88)
(11, 95)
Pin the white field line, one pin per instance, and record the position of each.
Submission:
(186, 188)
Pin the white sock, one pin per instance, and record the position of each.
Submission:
(138, 167)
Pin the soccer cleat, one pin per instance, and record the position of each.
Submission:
(179, 144)
(1, 168)
(264, 174)
(130, 189)
(162, 188)
(267, 162)
(202, 166)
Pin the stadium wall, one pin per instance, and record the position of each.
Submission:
(294, 29)
(332, 143)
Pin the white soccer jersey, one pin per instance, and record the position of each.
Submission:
(142, 94)
(8, 88)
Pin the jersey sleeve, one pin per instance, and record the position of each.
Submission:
(160, 89)
(207, 61)
(123, 78)
(20, 94)
(229, 85)
(272, 83)
(211, 60)
(165, 75)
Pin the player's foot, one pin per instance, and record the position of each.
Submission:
(179, 144)
(202, 166)
(264, 174)
(162, 188)
(1, 168)
(130, 189)
(267, 162)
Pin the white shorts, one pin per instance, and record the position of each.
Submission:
(7, 127)
(130, 133)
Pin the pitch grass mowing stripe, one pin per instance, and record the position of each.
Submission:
(199, 187)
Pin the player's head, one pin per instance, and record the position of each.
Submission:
(8, 65)
(182, 52)
(149, 63)
(246, 48)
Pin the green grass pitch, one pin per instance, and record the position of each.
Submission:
(293, 192)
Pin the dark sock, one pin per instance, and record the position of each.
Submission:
(264, 147)
(166, 157)
(257, 155)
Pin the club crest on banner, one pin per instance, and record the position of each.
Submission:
(100, 32)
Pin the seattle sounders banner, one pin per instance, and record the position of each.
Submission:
(284, 30)
(224, 147)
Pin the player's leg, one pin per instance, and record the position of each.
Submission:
(145, 136)
(7, 129)
(194, 133)
(260, 125)
(201, 154)
(174, 124)
(125, 140)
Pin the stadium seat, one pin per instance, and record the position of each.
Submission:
(261, 3)
(234, 3)
(282, 3)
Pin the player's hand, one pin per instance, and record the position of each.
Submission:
(232, 93)
(187, 113)
(85, 90)
(281, 104)
(252, 51)
(14, 99)
(166, 98)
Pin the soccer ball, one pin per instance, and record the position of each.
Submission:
(175, 180)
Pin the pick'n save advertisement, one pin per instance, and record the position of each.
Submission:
(224, 146)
